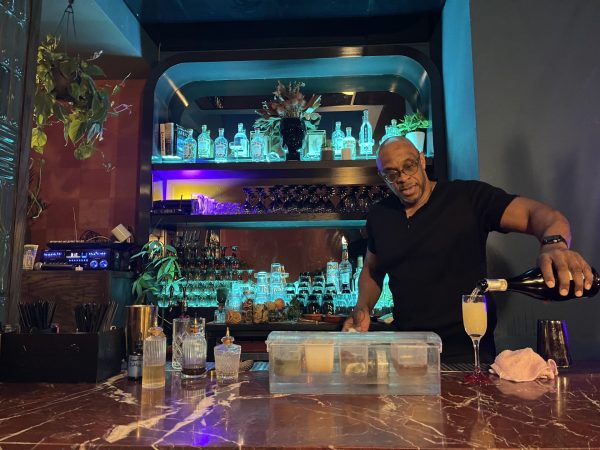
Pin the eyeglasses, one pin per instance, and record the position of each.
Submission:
(409, 168)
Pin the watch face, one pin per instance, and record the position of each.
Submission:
(554, 239)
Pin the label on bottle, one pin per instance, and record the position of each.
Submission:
(496, 285)
(134, 366)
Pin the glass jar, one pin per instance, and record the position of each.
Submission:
(155, 358)
(193, 364)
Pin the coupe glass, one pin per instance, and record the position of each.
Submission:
(474, 309)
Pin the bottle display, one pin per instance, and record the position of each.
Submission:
(221, 146)
(189, 147)
(532, 283)
(337, 141)
(205, 144)
(155, 357)
(365, 137)
(349, 144)
(194, 351)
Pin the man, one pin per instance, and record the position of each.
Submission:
(430, 237)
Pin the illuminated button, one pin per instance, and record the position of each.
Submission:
(93, 264)
(103, 264)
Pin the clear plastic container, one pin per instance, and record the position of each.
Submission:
(395, 363)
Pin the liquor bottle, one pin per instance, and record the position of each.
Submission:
(345, 265)
(394, 130)
(356, 276)
(258, 146)
(365, 137)
(327, 307)
(239, 146)
(194, 352)
(135, 361)
(221, 147)
(155, 357)
(532, 283)
(189, 147)
(205, 144)
(337, 141)
(350, 143)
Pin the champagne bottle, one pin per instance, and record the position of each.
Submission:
(532, 283)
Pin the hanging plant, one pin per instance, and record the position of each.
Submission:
(66, 92)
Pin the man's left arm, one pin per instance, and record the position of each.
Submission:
(529, 216)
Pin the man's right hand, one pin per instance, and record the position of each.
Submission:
(359, 320)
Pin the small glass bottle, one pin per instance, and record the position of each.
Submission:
(239, 145)
(355, 278)
(221, 147)
(155, 357)
(135, 361)
(194, 352)
(349, 144)
(205, 144)
(258, 146)
(189, 147)
(337, 141)
(365, 137)
(227, 359)
(394, 130)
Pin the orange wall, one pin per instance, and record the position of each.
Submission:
(101, 200)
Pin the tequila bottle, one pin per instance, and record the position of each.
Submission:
(189, 147)
(337, 141)
(205, 144)
(239, 145)
(221, 147)
(345, 265)
(350, 143)
(258, 146)
(365, 137)
(155, 357)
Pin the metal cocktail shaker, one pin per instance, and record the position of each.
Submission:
(137, 322)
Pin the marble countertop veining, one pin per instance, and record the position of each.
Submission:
(560, 414)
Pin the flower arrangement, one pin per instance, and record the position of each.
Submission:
(288, 102)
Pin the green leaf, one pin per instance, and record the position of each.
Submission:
(74, 130)
(38, 138)
(84, 151)
(94, 71)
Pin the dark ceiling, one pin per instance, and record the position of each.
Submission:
(185, 25)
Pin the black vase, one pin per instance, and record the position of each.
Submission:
(292, 136)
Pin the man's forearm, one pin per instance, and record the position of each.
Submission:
(369, 290)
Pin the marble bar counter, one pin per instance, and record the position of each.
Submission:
(563, 413)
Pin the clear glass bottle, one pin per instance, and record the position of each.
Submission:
(155, 357)
(345, 265)
(356, 276)
(189, 147)
(337, 141)
(258, 146)
(194, 352)
(365, 137)
(349, 144)
(205, 144)
(227, 359)
(239, 146)
(394, 130)
(221, 147)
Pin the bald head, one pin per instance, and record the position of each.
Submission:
(396, 145)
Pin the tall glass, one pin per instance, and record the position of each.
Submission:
(180, 328)
(474, 310)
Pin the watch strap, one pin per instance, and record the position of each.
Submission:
(554, 239)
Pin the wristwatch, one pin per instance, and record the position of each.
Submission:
(554, 239)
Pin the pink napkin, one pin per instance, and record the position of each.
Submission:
(523, 365)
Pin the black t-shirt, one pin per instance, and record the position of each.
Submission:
(436, 256)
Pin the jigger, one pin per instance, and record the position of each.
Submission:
(553, 341)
